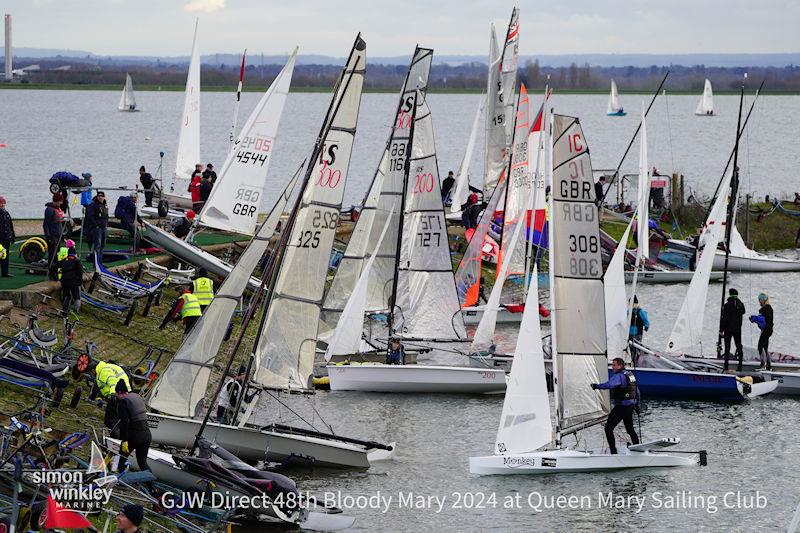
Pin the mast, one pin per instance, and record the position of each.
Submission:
(238, 99)
(552, 275)
(732, 201)
(399, 243)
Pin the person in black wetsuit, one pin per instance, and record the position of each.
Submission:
(147, 182)
(447, 186)
(730, 327)
(765, 320)
(133, 431)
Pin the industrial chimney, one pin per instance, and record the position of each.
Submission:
(8, 47)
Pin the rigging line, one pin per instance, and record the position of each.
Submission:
(298, 415)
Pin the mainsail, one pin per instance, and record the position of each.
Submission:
(183, 384)
(425, 303)
(706, 104)
(687, 333)
(461, 189)
(614, 106)
(188, 154)
(525, 424)
(643, 212)
(384, 197)
(500, 90)
(284, 353)
(127, 102)
(234, 201)
(579, 325)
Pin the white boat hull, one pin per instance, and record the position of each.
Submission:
(176, 200)
(256, 444)
(472, 316)
(786, 382)
(567, 461)
(766, 263)
(668, 276)
(416, 379)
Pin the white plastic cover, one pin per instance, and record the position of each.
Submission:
(706, 103)
(426, 303)
(183, 384)
(347, 335)
(383, 197)
(288, 337)
(613, 99)
(687, 332)
(236, 196)
(579, 323)
(188, 154)
(459, 196)
(525, 424)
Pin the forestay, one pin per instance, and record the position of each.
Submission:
(525, 423)
(234, 200)
(188, 154)
(579, 341)
(425, 303)
(346, 338)
(183, 384)
(288, 337)
(459, 197)
(384, 197)
(687, 332)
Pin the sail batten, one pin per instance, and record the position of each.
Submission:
(288, 336)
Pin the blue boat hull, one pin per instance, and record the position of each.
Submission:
(687, 385)
(617, 114)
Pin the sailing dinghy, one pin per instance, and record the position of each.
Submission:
(579, 353)
(614, 108)
(127, 102)
(705, 107)
(424, 305)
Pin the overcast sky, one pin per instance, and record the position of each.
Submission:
(392, 28)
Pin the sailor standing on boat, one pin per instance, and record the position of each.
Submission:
(625, 397)
(639, 324)
(731, 327)
(133, 431)
(765, 320)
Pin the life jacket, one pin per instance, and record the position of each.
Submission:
(136, 407)
(636, 320)
(3, 252)
(203, 289)
(107, 376)
(60, 256)
(628, 392)
(191, 305)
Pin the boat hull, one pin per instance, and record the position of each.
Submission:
(667, 276)
(571, 461)
(255, 444)
(691, 385)
(474, 314)
(416, 379)
(738, 263)
(788, 382)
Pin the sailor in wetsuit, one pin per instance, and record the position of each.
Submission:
(625, 397)
(134, 433)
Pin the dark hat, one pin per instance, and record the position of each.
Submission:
(121, 387)
(733, 292)
(101, 193)
(242, 370)
(635, 299)
(58, 197)
(142, 168)
(209, 165)
(86, 175)
(135, 513)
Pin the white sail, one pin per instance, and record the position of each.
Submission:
(182, 386)
(687, 332)
(483, 339)
(425, 304)
(500, 103)
(525, 424)
(127, 101)
(706, 104)
(346, 338)
(236, 196)
(643, 228)
(461, 189)
(579, 325)
(384, 197)
(188, 154)
(616, 300)
(614, 106)
(288, 336)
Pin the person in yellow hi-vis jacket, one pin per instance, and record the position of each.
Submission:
(203, 289)
(106, 376)
(186, 307)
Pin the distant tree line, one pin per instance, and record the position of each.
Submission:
(390, 77)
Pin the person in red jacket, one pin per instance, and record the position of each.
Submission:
(194, 187)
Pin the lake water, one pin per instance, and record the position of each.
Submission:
(753, 448)
(47, 131)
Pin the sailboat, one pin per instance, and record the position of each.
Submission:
(424, 305)
(705, 107)
(579, 353)
(235, 199)
(614, 107)
(127, 102)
